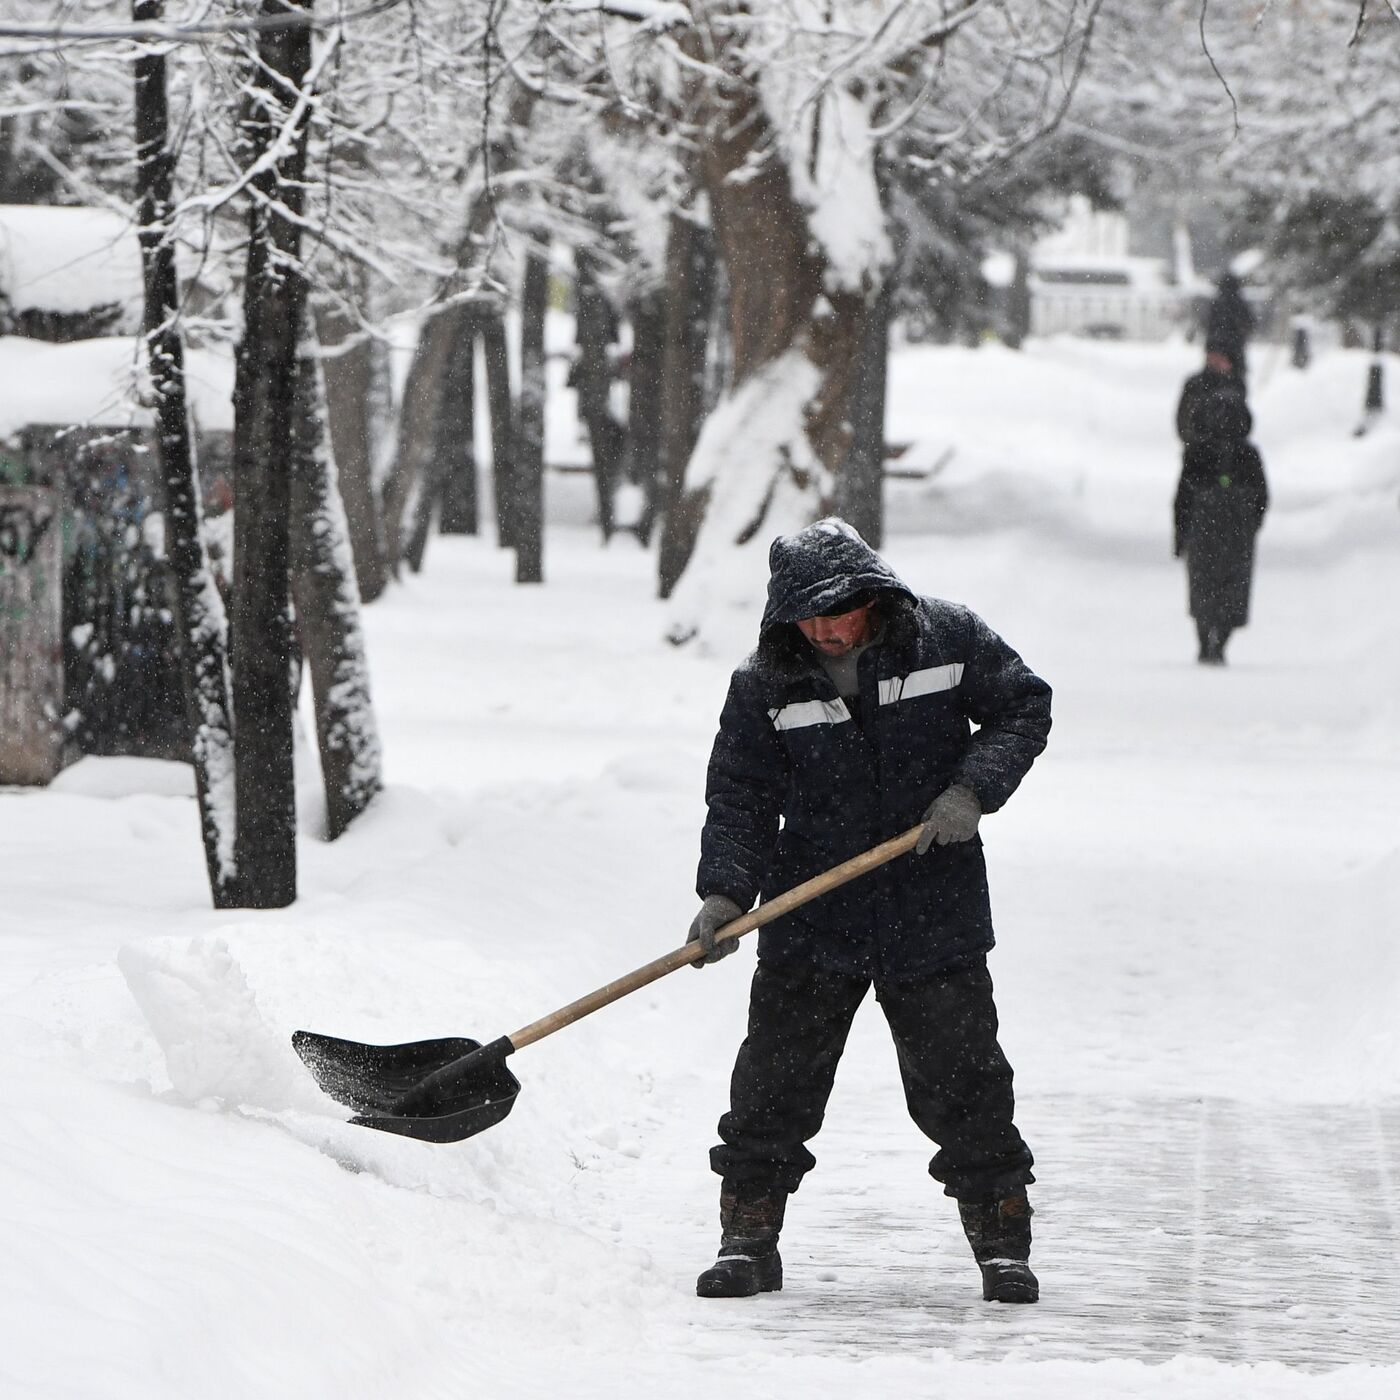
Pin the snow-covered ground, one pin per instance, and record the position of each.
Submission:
(1197, 893)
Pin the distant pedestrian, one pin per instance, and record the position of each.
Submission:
(1219, 507)
(1230, 323)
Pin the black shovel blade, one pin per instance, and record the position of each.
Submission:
(373, 1079)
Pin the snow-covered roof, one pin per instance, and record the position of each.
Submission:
(1102, 269)
(92, 382)
(56, 258)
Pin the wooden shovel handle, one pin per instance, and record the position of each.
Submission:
(682, 957)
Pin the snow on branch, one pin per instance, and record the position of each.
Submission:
(653, 13)
(188, 33)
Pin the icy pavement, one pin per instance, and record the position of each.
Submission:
(1163, 1228)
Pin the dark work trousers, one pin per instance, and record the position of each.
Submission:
(957, 1082)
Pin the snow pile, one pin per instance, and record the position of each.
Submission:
(125, 777)
(217, 1046)
(97, 383)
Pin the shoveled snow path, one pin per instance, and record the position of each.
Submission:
(1191, 889)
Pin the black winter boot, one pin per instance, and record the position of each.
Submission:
(1000, 1235)
(749, 1220)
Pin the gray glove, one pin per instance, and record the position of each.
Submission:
(715, 912)
(952, 816)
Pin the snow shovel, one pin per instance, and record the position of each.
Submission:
(447, 1090)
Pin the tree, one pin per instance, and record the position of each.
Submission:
(529, 434)
(198, 609)
(328, 607)
(273, 131)
(792, 107)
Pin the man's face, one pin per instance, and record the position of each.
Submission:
(1219, 363)
(837, 634)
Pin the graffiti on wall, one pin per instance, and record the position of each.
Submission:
(21, 529)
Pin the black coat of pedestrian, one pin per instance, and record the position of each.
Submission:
(798, 781)
(1198, 387)
(1220, 504)
(1230, 322)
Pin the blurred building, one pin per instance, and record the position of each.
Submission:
(1084, 279)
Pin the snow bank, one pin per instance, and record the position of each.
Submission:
(218, 1048)
(96, 383)
(125, 777)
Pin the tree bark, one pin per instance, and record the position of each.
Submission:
(442, 475)
(644, 405)
(31, 636)
(1018, 301)
(529, 445)
(274, 303)
(690, 295)
(459, 510)
(350, 379)
(200, 624)
(607, 437)
(496, 358)
(860, 487)
(1375, 374)
(328, 610)
(418, 422)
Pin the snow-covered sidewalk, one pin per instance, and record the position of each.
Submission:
(1196, 892)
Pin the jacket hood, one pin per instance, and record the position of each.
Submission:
(814, 572)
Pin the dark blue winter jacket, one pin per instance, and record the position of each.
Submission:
(798, 783)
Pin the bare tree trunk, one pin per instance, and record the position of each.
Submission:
(422, 509)
(200, 625)
(529, 444)
(328, 610)
(350, 376)
(418, 422)
(1018, 301)
(606, 436)
(644, 406)
(690, 294)
(449, 475)
(496, 357)
(1375, 374)
(274, 303)
(459, 511)
(860, 487)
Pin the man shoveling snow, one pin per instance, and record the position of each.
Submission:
(854, 716)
